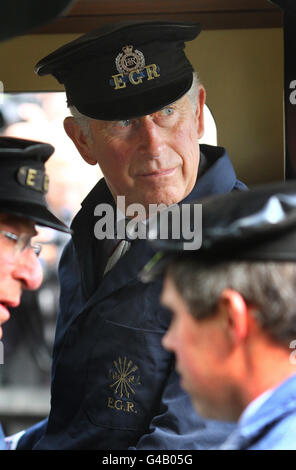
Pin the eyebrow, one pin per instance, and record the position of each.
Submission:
(13, 225)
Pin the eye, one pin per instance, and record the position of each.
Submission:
(168, 111)
(124, 123)
(10, 236)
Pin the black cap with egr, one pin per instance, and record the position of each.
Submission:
(24, 183)
(124, 70)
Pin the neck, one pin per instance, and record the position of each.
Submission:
(268, 366)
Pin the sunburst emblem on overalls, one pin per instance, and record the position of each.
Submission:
(124, 378)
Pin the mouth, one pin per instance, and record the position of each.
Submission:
(4, 312)
(4, 316)
(158, 173)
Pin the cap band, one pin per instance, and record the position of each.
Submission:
(32, 178)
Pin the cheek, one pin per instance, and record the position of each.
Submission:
(185, 347)
(188, 358)
(188, 148)
(37, 275)
(5, 272)
(6, 259)
(194, 350)
(193, 146)
(114, 158)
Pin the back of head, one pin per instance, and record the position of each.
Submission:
(249, 245)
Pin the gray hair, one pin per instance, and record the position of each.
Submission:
(84, 121)
(193, 91)
(269, 287)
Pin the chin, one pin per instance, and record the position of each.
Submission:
(211, 411)
(168, 199)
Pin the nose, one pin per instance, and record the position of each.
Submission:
(151, 138)
(28, 270)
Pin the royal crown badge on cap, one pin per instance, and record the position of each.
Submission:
(132, 69)
(129, 60)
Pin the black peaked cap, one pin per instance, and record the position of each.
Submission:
(124, 70)
(23, 181)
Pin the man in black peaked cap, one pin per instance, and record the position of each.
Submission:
(137, 111)
(233, 314)
(23, 185)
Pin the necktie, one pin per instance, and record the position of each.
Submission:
(120, 249)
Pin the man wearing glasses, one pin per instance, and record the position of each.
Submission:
(23, 185)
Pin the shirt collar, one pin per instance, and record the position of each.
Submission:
(254, 405)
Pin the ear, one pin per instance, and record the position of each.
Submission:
(80, 140)
(199, 114)
(236, 314)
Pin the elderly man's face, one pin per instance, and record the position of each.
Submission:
(152, 159)
(17, 272)
(202, 353)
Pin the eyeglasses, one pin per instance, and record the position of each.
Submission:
(22, 242)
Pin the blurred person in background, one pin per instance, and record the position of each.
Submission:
(23, 185)
(29, 336)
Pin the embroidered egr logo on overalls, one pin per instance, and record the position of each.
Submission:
(124, 381)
